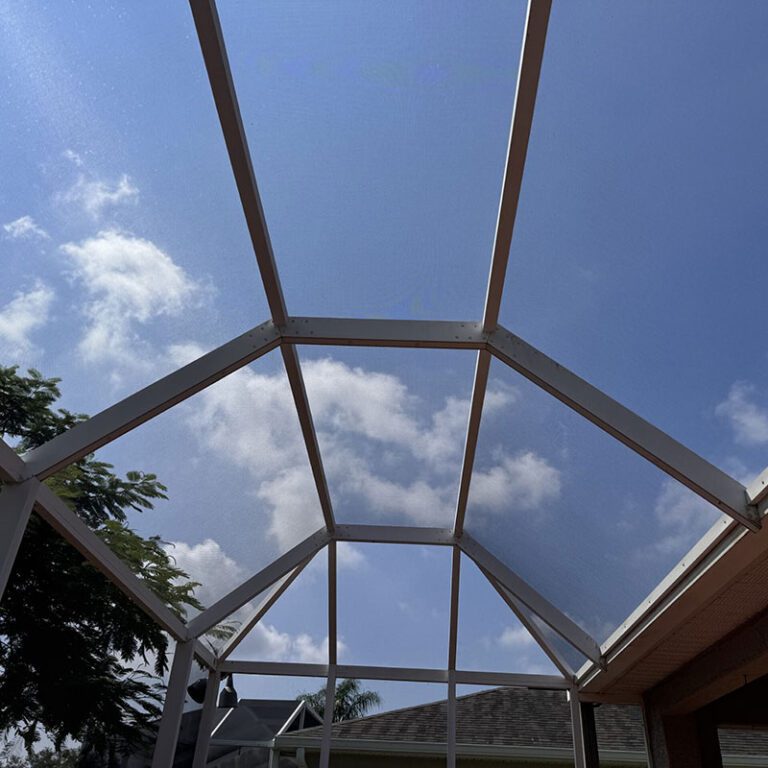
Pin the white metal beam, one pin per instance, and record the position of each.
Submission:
(453, 621)
(205, 728)
(548, 613)
(521, 612)
(330, 700)
(332, 592)
(579, 755)
(12, 467)
(534, 37)
(62, 519)
(16, 503)
(394, 534)
(272, 596)
(450, 736)
(150, 401)
(757, 490)
(703, 478)
(173, 707)
(222, 86)
(482, 368)
(426, 334)
(397, 674)
(301, 401)
(254, 586)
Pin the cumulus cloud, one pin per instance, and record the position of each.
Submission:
(25, 228)
(529, 657)
(524, 481)
(94, 195)
(73, 157)
(218, 574)
(251, 418)
(128, 282)
(683, 518)
(748, 420)
(23, 315)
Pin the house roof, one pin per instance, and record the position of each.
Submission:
(516, 717)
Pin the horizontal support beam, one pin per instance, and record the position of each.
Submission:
(548, 613)
(394, 534)
(398, 674)
(337, 331)
(254, 586)
(62, 519)
(150, 401)
(703, 478)
(12, 467)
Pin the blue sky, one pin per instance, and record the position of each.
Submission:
(378, 134)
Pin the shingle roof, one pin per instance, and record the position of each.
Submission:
(520, 718)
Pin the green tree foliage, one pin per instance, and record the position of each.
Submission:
(69, 639)
(44, 758)
(350, 701)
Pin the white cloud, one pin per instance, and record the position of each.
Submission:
(516, 637)
(349, 557)
(748, 420)
(524, 481)
(528, 656)
(73, 157)
(23, 315)
(128, 281)
(207, 563)
(218, 574)
(683, 519)
(94, 195)
(25, 228)
(250, 418)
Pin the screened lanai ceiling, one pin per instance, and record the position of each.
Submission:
(403, 377)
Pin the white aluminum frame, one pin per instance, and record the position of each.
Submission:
(24, 491)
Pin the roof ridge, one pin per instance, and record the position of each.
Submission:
(412, 707)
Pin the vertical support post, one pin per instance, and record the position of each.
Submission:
(16, 502)
(330, 698)
(451, 734)
(453, 630)
(332, 636)
(585, 754)
(168, 733)
(206, 720)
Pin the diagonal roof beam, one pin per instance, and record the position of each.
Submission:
(272, 596)
(521, 612)
(141, 406)
(73, 530)
(208, 27)
(537, 603)
(672, 457)
(522, 117)
(217, 65)
(12, 467)
(301, 401)
(531, 57)
(264, 579)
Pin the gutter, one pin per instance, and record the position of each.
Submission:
(289, 742)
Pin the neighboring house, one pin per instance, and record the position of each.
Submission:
(242, 737)
(500, 727)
